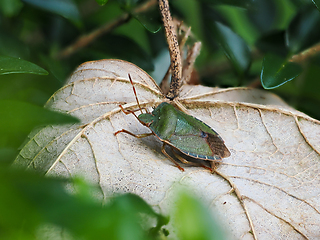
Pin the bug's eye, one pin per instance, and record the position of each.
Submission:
(204, 134)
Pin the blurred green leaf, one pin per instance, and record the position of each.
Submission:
(234, 47)
(262, 10)
(35, 89)
(11, 45)
(235, 3)
(58, 68)
(303, 31)
(19, 118)
(10, 8)
(127, 4)
(116, 46)
(273, 42)
(193, 220)
(151, 20)
(38, 200)
(7, 155)
(66, 8)
(102, 2)
(10, 65)
(276, 71)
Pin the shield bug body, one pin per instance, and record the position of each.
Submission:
(182, 132)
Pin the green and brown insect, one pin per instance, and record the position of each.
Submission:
(185, 134)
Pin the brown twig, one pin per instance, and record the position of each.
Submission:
(310, 52)
(179, 27)
(85, 40)
(176, 63)
(188, 67)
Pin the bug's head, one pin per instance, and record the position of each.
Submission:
(146, 118)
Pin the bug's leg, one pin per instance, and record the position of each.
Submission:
(188, 162)
(214, 165)
(135, 135)
(163, 150)
(131, 111)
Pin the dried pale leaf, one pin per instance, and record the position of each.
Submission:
(267, 189)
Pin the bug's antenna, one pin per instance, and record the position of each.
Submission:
(135, 93)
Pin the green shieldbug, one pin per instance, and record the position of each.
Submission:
(182, 132)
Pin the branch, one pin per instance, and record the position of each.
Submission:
(310, 52)
(176, 63)
(85, 40)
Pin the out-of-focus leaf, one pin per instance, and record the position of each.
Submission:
(262, 10)
(115, 46)
(35, 89)
(18, 118)
(317, 3)
(234, 47)
(235, 3)
(10, 8)
(303, 31)
(193, 220)
(101, 2)
(276, 71)
(21, 116)
(58, 68)
(273, 42)
(10, 65)
(7, 156)
(66, 8)
(39, 200)
(189, 11)
(127, 4)
(10, 45)
(150, 20)
(308, 99)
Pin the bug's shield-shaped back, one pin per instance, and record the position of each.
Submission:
(188, 134)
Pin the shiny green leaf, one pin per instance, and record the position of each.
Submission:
(151, 20)
(276, 71)
(234, 47)
(317, 3)
(10, 65)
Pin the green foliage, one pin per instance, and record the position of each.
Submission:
(234, 47)
(276, 71)
(317, 3)
(16, 65)
(102, 2)
(18, 118)
(194, 220)
(243, 43)
(64, 8)
(301, 32)
(29, 203)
